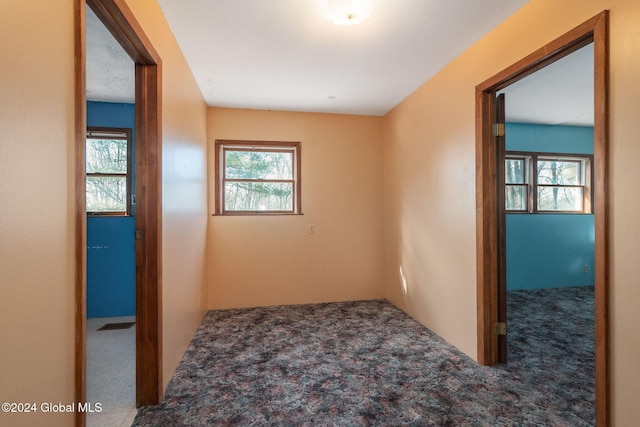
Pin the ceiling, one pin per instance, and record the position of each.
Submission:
(110, 71)
(285, 55)
(559, 94)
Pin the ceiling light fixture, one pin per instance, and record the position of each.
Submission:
(348, 12)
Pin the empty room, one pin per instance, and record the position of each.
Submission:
(324, 207)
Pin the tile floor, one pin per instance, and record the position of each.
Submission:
(111, 370)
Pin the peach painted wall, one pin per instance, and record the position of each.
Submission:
(184, 190)
(37, 256)
(261, 261)
(37, 179)
(429, 165)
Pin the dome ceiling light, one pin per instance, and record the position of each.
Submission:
(348, 12)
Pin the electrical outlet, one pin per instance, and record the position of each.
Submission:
(312, 229)
(586, 268)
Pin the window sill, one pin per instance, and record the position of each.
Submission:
(547, 213)
(257, 214)
(108, 215)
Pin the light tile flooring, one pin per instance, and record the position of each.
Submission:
(111, 371)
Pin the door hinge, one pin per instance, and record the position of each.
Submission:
(500, 328)
(498, 129)
(138, 234)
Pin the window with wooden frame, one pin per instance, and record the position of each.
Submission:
(547, 183)
(108, 169)
(517, 188)
(257, 177)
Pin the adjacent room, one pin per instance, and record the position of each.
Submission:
(299, 215)
(549, 223)
(111, 210)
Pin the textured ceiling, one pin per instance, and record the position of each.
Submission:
(110, 71)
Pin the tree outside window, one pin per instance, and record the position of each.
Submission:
(536, 182)
(256, 177)
(108, 165)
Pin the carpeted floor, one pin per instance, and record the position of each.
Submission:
(369, 364)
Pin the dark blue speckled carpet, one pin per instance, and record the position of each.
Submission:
(368, 364)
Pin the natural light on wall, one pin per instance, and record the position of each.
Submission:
(348, 12)
(404, 281)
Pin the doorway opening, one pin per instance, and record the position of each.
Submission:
(111, 264)
(119, 20)
(490, 222)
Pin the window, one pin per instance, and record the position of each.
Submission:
(108, 171)
(517, 183)
(257, 177)
(538, 182)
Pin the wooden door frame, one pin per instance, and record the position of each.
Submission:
(120, 21)
(596, 31)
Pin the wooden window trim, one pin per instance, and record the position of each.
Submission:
(260, 146)
(110, 133)
(527, 188)
(526, 177)
(531, 178)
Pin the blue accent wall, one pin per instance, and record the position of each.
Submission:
(549, 250)
(111, 263)
(549, 138)
(111, 270)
